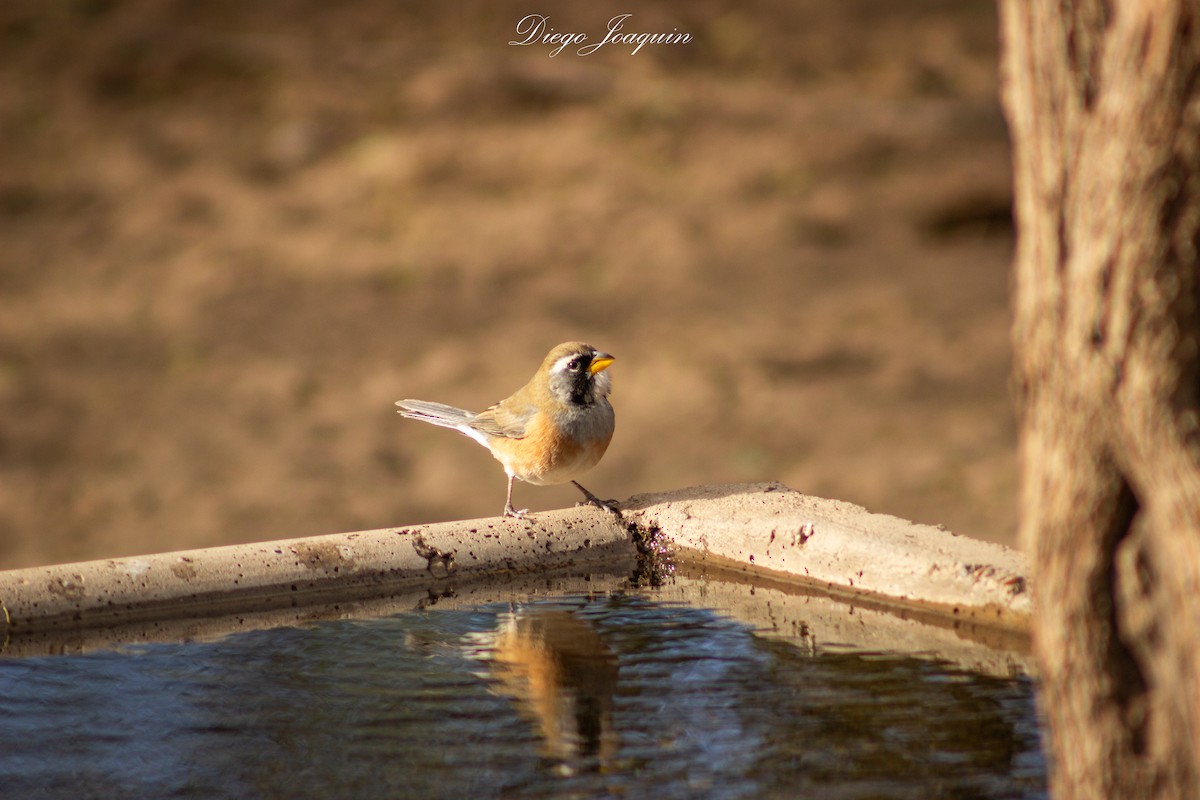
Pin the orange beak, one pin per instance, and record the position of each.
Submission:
(600, 362)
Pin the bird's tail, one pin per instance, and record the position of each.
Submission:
(435, 413)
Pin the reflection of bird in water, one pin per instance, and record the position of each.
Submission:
(562, 677)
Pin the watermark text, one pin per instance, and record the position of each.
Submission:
(535, 29)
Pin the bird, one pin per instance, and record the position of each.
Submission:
(552, 429)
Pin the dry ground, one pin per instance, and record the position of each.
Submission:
(232, 233)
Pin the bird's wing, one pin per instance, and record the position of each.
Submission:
(505, 419)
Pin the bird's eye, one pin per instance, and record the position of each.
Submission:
(575, 364)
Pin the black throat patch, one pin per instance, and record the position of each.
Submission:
(582, 393)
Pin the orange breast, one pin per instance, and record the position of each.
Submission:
(546, 455)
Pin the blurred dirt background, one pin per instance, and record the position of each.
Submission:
(233, 233)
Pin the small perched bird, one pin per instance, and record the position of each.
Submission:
(553, 428)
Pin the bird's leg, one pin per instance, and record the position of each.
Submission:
(610, 506)
(509, 511)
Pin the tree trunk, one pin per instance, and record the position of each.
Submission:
(1103, 105)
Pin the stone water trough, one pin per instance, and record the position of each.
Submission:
(783, 560)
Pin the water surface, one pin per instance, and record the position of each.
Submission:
(614, 694)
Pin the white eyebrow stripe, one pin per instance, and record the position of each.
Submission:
(561, 364)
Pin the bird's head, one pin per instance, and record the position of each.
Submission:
(575, 373)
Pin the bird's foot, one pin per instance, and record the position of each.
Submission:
(515, 513)
(611, 506)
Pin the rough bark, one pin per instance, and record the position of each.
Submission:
(1102, 104)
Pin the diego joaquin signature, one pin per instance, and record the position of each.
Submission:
(536, 29)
